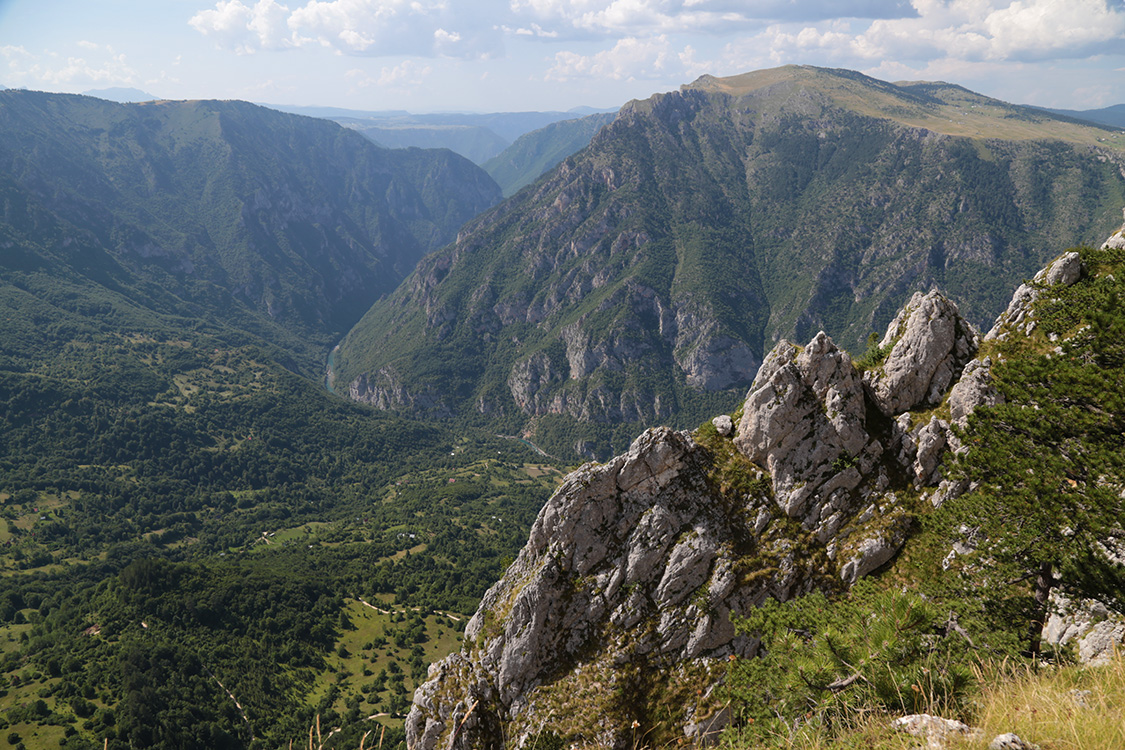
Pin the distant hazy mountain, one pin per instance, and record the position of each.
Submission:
(536, 152)
(282, 226)
(583, 111)
(477, 137)
(474, 142)
(121, 95)
(643, 279)
(1113, 116)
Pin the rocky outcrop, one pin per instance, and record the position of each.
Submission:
(1096, 632)
(583, 377)
(1066, 269)
(972, 390)
(387, 391)
(632, 570)
(824, 432)
(804, 421)
(929, 344)
(625, 590)
(1116, 241)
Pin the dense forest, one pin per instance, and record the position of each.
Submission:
(203, 549)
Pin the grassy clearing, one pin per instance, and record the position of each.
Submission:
(381, 657)
(961, 113)
(1066, 708)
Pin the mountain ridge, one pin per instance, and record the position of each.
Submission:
(637, 570)
(296, 221)
(645, 276)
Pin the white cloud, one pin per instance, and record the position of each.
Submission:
(404, 76)
(645, 17)
(245, 28)
(943, 34)
(356, 27)
(101, 67)
(628, 60)
(407, 73)
(984, 30)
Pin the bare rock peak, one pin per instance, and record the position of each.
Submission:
(929, 345)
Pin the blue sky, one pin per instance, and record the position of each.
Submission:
(510, 55)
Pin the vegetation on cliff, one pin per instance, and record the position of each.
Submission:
(1043, 515)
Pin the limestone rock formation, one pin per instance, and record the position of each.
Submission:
(1093, 629)
(624, 594)
(632, 569)
(1065, 270)
(386, 390)
(1116, 240)
(804, 421)
(973, 389)
(929, 344)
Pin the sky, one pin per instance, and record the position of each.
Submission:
(521, 55)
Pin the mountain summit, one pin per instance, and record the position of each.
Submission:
(644, 278)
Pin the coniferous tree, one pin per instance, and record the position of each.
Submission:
(1049, 467)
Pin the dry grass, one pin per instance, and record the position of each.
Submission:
(1057, 708)
(1065, 708)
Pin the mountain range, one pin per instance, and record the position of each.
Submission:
(643, 279)
(478, 137)
(203, 546)
(285, 226)
(1114, 116)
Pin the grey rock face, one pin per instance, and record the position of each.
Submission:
(1096, 630)
(724, 425)
(1065, 270)
(710, 359)
(385, 390)
(934, 730)
(803, 420)
(1116, 241)
(973, 389)
(872, 552)
(930, 344)
(634, 561)
(931, 440)
(1010, 741)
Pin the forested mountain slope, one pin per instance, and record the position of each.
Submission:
(644, 278)
(536, 152)
(188, 519)
(285, 226)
